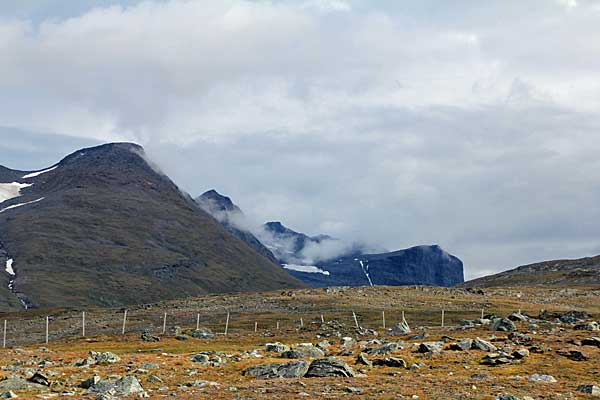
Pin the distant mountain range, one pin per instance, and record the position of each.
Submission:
(578, 272)
(322, 260)
(104, 227)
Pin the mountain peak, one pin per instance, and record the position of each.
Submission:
(214, 203)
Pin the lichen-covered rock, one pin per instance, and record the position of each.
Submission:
(503, 325)
(294, 369)
(329, 367)
(276, 347)
(303, 352)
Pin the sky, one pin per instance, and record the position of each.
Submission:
(472, 125)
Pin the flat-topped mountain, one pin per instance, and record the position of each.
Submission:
(578, 272)
(104, 227)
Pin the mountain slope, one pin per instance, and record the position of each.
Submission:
(420, 265)
(229, 215)
(578, 272)
(103, 227)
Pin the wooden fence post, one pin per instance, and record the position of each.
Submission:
(255, 326)
(227, 323)
(4, 336)
(47, 323)
(383, 318)
(355, 320)
(164, 330)
(442, 317)
(83, 323)
(277, 325)
(124, 322)
(198, 321)
(322, 319)
(301, 322)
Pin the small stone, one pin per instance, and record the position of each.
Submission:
(520, 354)
(88, 383)
(362, 359)
(8, 395)
(276, 347)
(351, 389)
(431, 347)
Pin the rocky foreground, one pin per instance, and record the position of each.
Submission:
(552, 354)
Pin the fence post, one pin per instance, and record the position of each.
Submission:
(442, 317)
(355, 320)
(164, 323)
(322, 319)
(482, 313)
(227, 323)
(83, 323)
(198, 321)
(383, 318)
(4, 336)
(255, 326)
(301, 322)
(277, 325)
(124, 322)
(47, 323)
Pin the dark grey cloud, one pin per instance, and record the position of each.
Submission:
(472, 125)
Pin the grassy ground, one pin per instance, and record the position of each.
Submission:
(449, 375)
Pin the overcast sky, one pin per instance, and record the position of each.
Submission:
(473, 125)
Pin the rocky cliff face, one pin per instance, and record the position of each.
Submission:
(103, 227)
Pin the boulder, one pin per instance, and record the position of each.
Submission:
(542, 378)
(294, 369)
(516, 316)
(431, 347)
(483, 345)
(364, 360)
(276, 347)
(147, 337)
(347, 343)
(503, 324)
(384, 349)
(520, 354)
(88, 383)
(201, 333)
(593, 341)
(495, 359)
(106, 358)
(574, 355)
(126, 386)
(329, 367)
(572, 317)
(391, 362)
(16, 383)
(462, 345)
(8, 395)
(39, 379)
(587, 326)
(303, 352)
(589, 389)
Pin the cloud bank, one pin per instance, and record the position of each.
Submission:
(474, 126)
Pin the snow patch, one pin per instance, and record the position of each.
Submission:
(34, 174)
(11, 190)
(9, 269)
(21, 204)
(365, 269)
(305, 268)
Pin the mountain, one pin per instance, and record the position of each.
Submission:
(420, 265)
(230, 216)
(322, 260)
(579, 272)
(104, 227)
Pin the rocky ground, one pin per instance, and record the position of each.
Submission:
(548, 350)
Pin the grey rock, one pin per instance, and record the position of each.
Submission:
(276, 347)
(518, 317)
(106, 358)
(362, 359)
(483, 345)
(495, 359)
(16, 383)
(351, 389)
(8, 395)
(593, 341)
(201, 333)
(384, 349)
(148, 337)
(572, 317)
(324, 345)
(506, 397)
(88, 383)
(503, 324)
(40, 379)
(347, 343)
(150, 365)
(589, 389)
(542, 378)
(587, 326)
(391, 362)
(201, 358)
(303, 352)
(329, 367)
(294, 369)
(462, 345)
(431, 347)
(520, 354)
(154, 378)
(125, 386)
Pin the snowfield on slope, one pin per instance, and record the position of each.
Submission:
(34, 174)
(305, 268)
(21, 204)
(11, 190)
